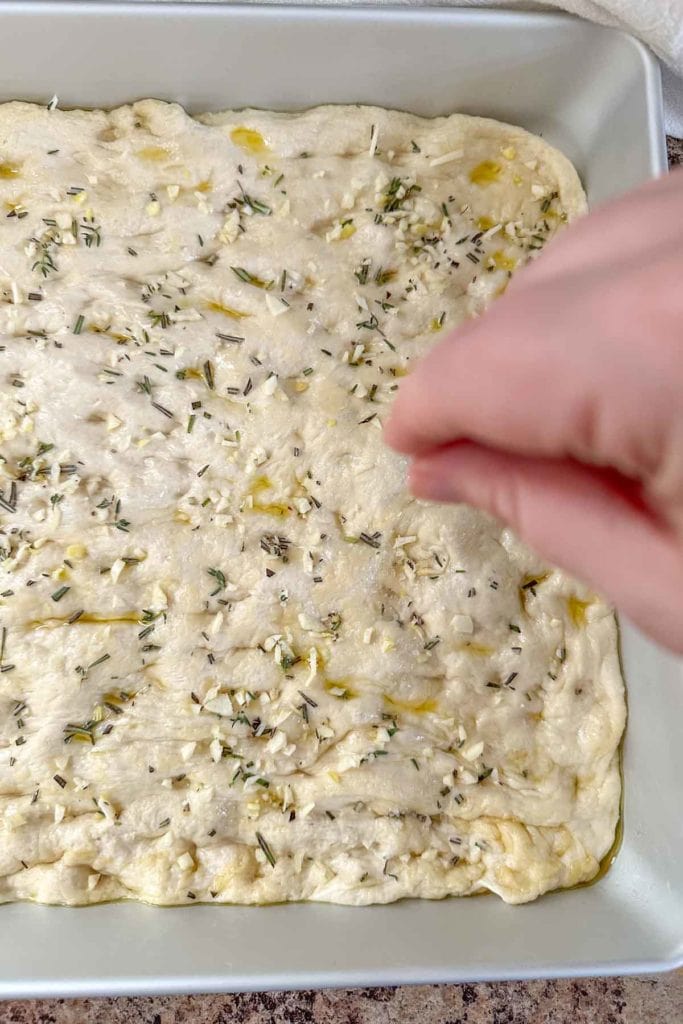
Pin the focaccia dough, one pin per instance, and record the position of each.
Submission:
(239, 662)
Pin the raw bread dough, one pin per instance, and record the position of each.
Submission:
(239, 662)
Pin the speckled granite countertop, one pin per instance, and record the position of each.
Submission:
(675, 151)
(641, 1000)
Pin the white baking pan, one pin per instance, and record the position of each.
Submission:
(594, 93)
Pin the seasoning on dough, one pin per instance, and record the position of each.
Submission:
(238, 662)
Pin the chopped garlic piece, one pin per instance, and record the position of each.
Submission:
(447, 158)
(220, 705)
(117, 568)
(462, 623)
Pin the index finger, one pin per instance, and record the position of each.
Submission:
(532, 375)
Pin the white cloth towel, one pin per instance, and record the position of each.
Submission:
(659, 23)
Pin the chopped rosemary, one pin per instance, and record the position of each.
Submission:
(309, 700)
(267, 852)
(397, 193)
(248, 278)
(160, 319)
(83, 733)
(221, 582)
(255, 205)
(234, 338)
(162, 409)
(361, 272)
(92, 234)
(372, 540)
(45, 263)
(384, 276)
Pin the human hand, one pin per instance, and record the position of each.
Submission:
(560, 410)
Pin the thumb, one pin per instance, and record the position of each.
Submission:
(590, 521)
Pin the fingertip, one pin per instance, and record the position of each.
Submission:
(429, 478)
(398, 432)
(420, 480)
(408, 429)
(392, 433)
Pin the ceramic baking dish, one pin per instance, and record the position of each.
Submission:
(596, 94)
